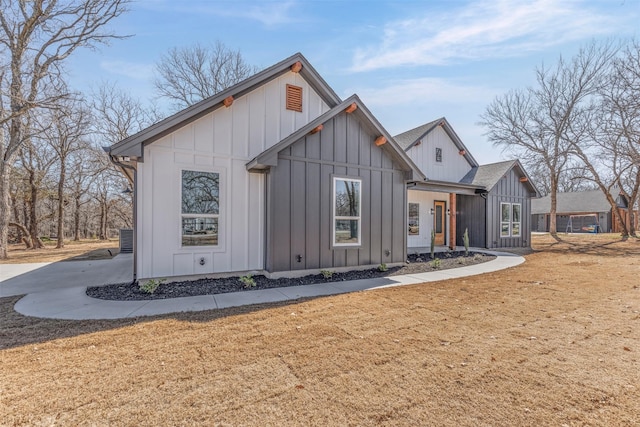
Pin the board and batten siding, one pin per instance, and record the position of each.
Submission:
(453, 166)
(509, 189)
(222, 141)
(471, 215)
(300, 200)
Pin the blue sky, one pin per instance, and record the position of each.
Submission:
(410, 61)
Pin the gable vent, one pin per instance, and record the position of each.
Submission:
(294, 98)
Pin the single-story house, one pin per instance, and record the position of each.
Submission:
(491, 201)
(274, 174)
(277, 174)
(581, 212)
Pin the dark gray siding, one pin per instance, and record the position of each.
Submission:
(471, 215)
(509, 189)
(299, 200)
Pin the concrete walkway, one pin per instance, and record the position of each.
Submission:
(73, 303)
(21, 279)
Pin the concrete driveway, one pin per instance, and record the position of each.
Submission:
(20, 279)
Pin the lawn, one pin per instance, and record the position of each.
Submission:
(80, 250)
(554, 341)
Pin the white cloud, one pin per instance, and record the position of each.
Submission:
(268, 13)
(137, 71)
(489, 28)
(421, 91)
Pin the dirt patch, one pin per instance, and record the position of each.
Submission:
(549, 342)
(416, 263)
(72, 251)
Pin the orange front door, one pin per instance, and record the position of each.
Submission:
(439, 224)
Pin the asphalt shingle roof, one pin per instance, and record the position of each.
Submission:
(487, 176)
(575, 202)
(405, 139)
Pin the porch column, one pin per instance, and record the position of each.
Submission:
(452, 221)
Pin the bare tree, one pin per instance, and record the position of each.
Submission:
(36, 37)
(118, 115)
(610, 150)
(87, 167)
(35, 165)
(190, 74)
(537, 124)
(67, 126)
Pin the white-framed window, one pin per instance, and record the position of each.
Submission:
(510, 219)
(347, 220)
(414, 219)
(200, 208)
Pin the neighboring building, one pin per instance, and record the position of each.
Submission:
(491, 201)
(581, 212)
(275, 173)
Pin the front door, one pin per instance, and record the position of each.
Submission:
(439, 222)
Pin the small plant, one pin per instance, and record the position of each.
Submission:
(465, 239)
(150, 286)
(436, 263)
(433, 243)
(462, 260)
(248, 281)
(327, 274)
(382, 267)
(477, 257)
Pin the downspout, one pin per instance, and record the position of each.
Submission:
(135, 212)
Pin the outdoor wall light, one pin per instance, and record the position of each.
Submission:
(448, 211)
(431, 211)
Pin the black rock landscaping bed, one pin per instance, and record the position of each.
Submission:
(416, 263)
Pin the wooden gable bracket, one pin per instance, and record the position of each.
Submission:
(351, 108)
(228, 101)
(524, 179)
(316, 129)
(295, 68)
(381, 140)
(462, 152)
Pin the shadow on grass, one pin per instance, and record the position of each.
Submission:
(17, 330)
(596, 247)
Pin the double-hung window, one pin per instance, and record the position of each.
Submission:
(510, 219)
(347, 220)
(200, 208)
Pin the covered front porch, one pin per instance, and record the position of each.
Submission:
(432, 207)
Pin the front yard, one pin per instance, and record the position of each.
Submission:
(554, 341)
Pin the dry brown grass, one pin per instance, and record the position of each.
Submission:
(555, 341)
(84, 249)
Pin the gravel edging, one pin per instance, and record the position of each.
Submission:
(418, 263)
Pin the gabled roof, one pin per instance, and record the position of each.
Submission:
(408, 139)
(574, 202)
(487, 176)
(132, 146)
(269, 157)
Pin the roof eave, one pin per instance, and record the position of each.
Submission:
(132, 146)
(268, 157)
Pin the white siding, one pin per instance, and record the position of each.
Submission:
(222, 141)
(453, 166)
(426, 201)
